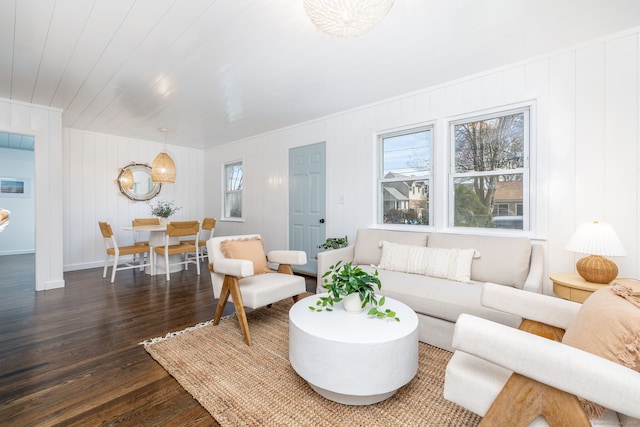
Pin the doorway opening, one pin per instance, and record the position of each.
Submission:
(17, 198)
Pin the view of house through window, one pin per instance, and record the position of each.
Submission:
(233, 190)
(490, 171)
(405, 176)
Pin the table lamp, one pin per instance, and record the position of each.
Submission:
(598, 240)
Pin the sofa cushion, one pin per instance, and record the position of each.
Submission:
(452, 264)
(367, 250)
(608, 325)
(504, 260)
(250, 249)
(439, 298)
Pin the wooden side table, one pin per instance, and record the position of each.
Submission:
(574, 288)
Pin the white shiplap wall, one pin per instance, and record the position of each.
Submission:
(45, 124)
(91, 165)
(585, 159)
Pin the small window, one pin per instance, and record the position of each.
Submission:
(405, 177)
(501, 209)
(233, 190)
(490, 171)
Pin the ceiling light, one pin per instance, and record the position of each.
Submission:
(346, 18)
(163, 170)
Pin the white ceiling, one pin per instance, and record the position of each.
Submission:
(214, 71)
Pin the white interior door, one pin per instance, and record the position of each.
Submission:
(307, 187)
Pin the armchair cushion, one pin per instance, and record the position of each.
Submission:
(287, 257)
(607, 325)
(250, 249)
(233, 267)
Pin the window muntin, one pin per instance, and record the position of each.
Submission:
(405, 177)
(490, 169)
(233, 190)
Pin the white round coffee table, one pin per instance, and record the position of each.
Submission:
(354, 359)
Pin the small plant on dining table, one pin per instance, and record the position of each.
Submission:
(164, 209)
(349, 279)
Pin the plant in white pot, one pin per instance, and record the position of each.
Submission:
(164, 210)
(355, 288)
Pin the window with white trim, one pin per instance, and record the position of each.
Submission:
(404, 179)
(233, 183)
(489, 176)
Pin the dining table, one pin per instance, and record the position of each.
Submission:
(157, 233)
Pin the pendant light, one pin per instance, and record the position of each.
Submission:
(163, 170)
(126, 179)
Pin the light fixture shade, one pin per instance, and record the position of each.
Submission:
(126, 179)
(163, 170)
(596, 238)
(344, 18)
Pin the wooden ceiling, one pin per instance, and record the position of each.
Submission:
(214, 71)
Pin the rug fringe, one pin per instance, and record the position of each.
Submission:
(176, 333)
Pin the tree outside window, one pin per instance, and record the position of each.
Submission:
(233, 190)
(405, 177)
(489, 171)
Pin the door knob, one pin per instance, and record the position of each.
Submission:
(321, 220)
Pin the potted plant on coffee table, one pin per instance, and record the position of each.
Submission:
(356, 288)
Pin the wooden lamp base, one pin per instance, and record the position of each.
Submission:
(597, 269)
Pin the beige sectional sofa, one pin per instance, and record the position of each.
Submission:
(438, 301)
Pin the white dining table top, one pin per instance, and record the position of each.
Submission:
(154, 227)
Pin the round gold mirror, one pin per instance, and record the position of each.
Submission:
(135, 182)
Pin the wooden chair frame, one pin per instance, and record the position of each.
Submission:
(116, 251)
(523, 399)
(184, 248)
(230, 286)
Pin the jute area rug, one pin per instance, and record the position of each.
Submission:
(254, 386)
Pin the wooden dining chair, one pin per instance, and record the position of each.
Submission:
(116, 251)
(136, 234)
(178, 229)
(206, 232)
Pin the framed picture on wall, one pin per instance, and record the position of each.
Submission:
(14, 187)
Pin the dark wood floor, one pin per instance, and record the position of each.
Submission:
(71, 356)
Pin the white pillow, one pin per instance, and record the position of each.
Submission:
(452, 264)
(395, 257)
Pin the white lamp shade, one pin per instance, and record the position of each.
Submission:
(596, 238)
(346, 19)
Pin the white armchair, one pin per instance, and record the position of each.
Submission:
(235, 276)
(547, 374)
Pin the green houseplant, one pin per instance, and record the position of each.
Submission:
(335, 243)
(164, 209)
(343, 281)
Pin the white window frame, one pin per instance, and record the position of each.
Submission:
(527, 201)
(225, 192)
(428, 176)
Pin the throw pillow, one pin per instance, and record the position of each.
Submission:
(394, 256)
(452, 264)
(607, 325)
(250, 249)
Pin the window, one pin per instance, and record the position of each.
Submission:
(490, 171)
(233, 190)
(501, 209)
(405, 177)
